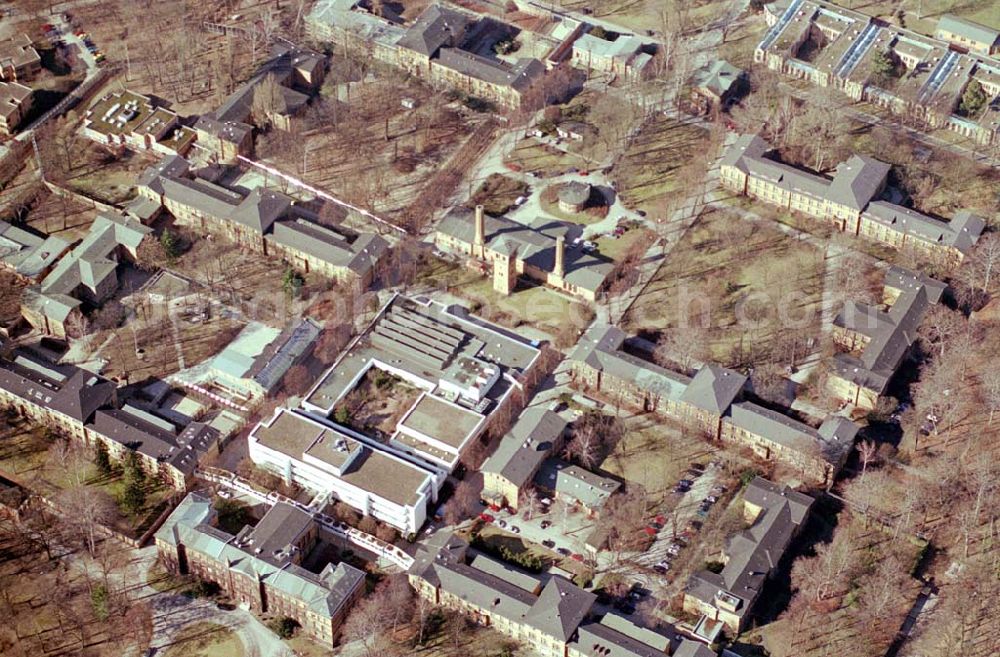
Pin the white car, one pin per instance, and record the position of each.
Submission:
(225, 494)
(589, 246)
(520, 200)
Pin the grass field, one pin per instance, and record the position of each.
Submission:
(647, 171)
(205, 640)
(640, 15)
(615, 249)
(530, 155)
(29, 456)
(745, 282)
(654, 454)
(980, 11)
(535, 306)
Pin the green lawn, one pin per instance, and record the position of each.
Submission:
(30, 457)
(615, 249)
(647, 173)
(530, 155)
(536, 306)
(654, 454)
(205, 640)
(749, 281)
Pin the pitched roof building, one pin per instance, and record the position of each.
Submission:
(968, 34)
(264, 220)
(538, 252)
(776, 514)
(260, 566)
(87, 274)
(28, 255)
(849, 201)
(548, 613)
(879, 340)
(536, 435)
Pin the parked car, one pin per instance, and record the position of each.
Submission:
(485, 517)
(520, 200)
(576, 556)
(702, 513)
(711, 499)
(546, 524)
(549, 543)
(515, 529)
(664, 564)
(225, 494)
(685, 482)
(563, 551)
(502, 524)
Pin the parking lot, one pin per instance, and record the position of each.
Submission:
(561, 529)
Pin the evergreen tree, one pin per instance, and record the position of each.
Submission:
(102, 460)
(974, 98)
(170, 245)
(292, 282)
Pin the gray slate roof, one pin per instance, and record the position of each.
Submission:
(528, 443)
(714, 388)
(718, 77)
(437, 26)
(590, 488)
(832, 440)
(325, 594)
(66, 389)
(535, 245)
(600, 348)
(341, 248)
(891, 333)
(755, 552)
(180, 449)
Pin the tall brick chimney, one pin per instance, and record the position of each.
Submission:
(480, 229)
(560, 267)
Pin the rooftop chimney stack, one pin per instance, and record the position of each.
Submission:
(480, 227)
(560, 268)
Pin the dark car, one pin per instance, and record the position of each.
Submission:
(546, 524)
(563, 551)
(687, 483)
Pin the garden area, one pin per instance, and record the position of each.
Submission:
(376, 404)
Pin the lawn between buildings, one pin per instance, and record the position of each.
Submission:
(30, 456)
(532, 156)
(747, 281)
(647, 172)
(205, 639)
(368, 149)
